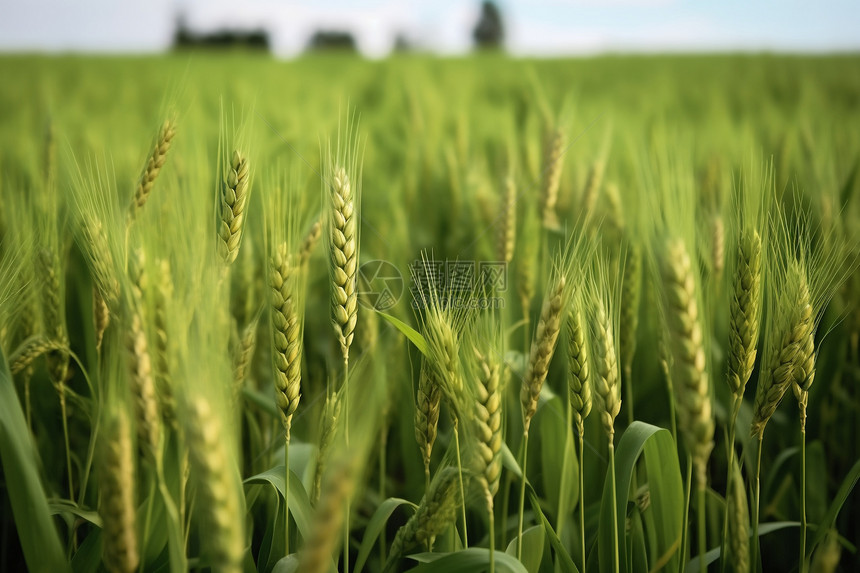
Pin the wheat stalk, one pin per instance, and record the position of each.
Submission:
(152, 168)
(235, 193)
(117, 505)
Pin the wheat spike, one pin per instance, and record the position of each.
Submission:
(427, 412)
(101, 261)
(142, 385)
(152, 168)
(286, 334)
(686, 343)
(507, 222)
(163, 293)
(243, 355)
(828, 554)
(579, 383)
(592, 188)
(53, 315)
(542, 349)
(101, 317)
(234, 201)
(552, 166)
(217, 488)
(745, 311)
(328, 428)
(607, 381)
(437, 510)
(718, 246)
(790, 351)
(327, 527)
(309, 242)
(631, 296)
(488, 425)
(31, 349)
(344, 260)
(739, 520)
(117, 505)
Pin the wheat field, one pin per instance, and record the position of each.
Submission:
(416, 314)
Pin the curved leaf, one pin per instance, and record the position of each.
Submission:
(37, 533)
(833, 511)
(375, 526)
(664, 479)
(472, 560)
(413, 335)
(714, 554)
(300, 505)
(533, 542)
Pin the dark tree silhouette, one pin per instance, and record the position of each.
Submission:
(489, 32)
(184, 38)
(324, 40)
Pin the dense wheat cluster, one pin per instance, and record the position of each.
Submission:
(432, 315)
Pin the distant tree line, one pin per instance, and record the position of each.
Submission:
(488, 34)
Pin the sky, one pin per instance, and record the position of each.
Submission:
(533, 27)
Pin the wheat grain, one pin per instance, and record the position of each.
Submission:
(235, 193)
(542, 349)
(53, 315)
(152, 168)
(163, 293)
(117, 505)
